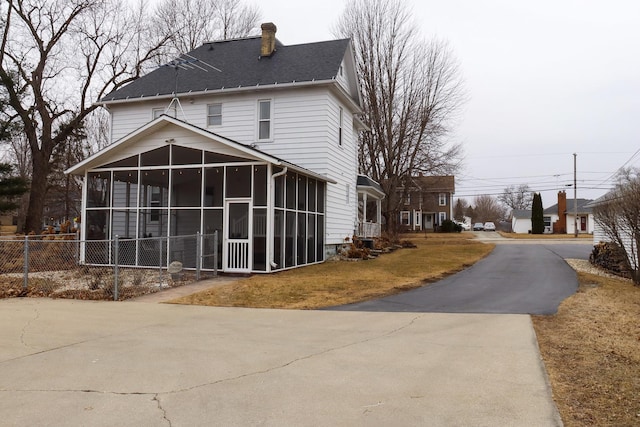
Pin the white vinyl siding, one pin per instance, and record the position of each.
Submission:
(303, 130)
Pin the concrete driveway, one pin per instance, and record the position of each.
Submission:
(77, 363)
(526, 278)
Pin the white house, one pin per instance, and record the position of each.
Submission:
(249, 137)
(521, 221)
(563, 215)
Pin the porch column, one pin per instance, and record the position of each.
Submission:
(364, 207)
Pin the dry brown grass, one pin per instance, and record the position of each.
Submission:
(591, 349)
(342, 282)
(543, 236)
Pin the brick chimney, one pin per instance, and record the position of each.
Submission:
(268, 39)
(562, 204)
(561, 225)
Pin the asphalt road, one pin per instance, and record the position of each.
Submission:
(527, 278)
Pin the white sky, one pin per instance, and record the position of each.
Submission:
(546, 79)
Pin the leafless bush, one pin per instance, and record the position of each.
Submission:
(618, 213)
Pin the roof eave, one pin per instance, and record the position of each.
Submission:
(242, 89)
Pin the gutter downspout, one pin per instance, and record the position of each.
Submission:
(273, 177)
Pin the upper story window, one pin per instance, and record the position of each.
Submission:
(170, 111)
(157, 112)
(264, 119)
(340, 126)
(407, 199)
(442, 199)
(214, 114)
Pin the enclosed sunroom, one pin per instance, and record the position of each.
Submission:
(171, 179)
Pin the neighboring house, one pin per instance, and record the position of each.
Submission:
(370, 195)
(562, 216)
(558, 219)
(521, 221)
(427, 202)
(626, 235)
(249, 137)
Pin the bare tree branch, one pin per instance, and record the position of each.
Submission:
(57, 59)
(412, 90)
(618, 214)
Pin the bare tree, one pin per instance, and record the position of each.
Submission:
(411, 89)
(618, 214)
(488, 209)
(235, 19)
(56, 59)
(189, 23)
(517, 197)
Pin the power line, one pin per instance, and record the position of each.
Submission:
(621, 167)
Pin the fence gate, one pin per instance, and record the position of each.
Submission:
(237, 237)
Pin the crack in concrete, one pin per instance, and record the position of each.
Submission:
(299, 359)
(238, 377)
(157, 395)
(164, 412)
(24, 329)
(60, 347)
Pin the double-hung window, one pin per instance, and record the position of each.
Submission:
(264, 119)
(214, 114)
(405, 218)
(442, 199)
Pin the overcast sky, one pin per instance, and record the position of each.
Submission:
(545, 79)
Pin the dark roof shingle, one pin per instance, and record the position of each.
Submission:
(240, 66)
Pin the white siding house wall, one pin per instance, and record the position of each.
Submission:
(304, 132)
(599, 235)
(571, 224)
(521, 225)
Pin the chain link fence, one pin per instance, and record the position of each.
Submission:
(62, 266)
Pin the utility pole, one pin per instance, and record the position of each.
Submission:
(575, 198)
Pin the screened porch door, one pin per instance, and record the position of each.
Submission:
(237, 257)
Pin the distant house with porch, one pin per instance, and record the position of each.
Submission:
(426, 202)
(249, 137)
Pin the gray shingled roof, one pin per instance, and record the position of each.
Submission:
(521, 213)
(365, 181)
(582, 207)
(241, 66)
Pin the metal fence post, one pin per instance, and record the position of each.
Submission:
(198, 254)
(160, 262)
(116, 262)
(215, 253)
(26, 263)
